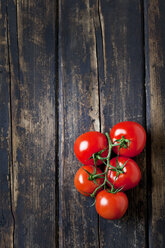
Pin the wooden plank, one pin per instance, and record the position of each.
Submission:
(155, 88)
(121, 77)
(6, 215)
(32, 55)
(79, 113)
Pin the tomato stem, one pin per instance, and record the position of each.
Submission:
(121, 143)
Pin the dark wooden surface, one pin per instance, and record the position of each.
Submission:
(67, 67)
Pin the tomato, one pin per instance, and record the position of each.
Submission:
(131, 176)
(111, 206)
(132, 131)
(82, 184)
(89, 143)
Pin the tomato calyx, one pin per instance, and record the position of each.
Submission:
(93, 176)
(122, 143)
(114, 191)
(97, 155)
(119, 169)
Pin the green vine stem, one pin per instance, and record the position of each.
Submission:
(121, 143)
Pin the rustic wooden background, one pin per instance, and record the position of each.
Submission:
(67, 67)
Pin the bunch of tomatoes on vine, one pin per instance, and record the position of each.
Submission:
(104, 178)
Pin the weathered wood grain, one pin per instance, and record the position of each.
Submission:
(79, 113)
(155, 88)
(100, 81)
(32, 55)
(6, 216)
(122, 97)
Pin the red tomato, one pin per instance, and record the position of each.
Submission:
(111, 206)
(89, 143)
(131, 176)
(82, 184)
(132, 131)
